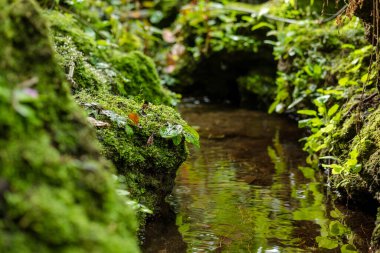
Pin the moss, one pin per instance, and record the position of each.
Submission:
(65, 24)
(140, 78)
(103, 77)
(100, 65)
(80, 72)
(375, 240)
(363, 188)
(56, 192)
(149, 169)
(367, 143)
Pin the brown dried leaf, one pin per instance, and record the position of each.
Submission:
(134, 117)
(150, 140)
(97, 123)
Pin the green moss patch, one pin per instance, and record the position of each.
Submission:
(56, 191)
(94, 64)
(147, 161)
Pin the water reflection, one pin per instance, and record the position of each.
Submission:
(244, 190)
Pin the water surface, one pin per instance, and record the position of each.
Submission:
(248, 190)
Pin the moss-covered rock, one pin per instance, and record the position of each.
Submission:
(102, 77)
(56, 191)
(95, 64)
(141, 78)
(132, 140)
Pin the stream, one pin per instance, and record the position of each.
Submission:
(248, 189)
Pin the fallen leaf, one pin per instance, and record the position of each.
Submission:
(150, 140)
(97, 123)
(134, 117)
(144, 107)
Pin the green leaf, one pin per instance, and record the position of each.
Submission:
(296, 102)
(327, 243)
(328, 128)
(317, 70)
(333, 110)
(261, 25)
(343, 81)
(307, 112)
(25, 111)
(336, 214)
(354, 154)
(350, 46)
(128, 130)
(191, 136)
(170, 131)
(356, 169)
(308, 69)
(364, 78)
(337, 228)
(336, 169)
(102, 43)
(316, 122)
(177, 140)
(321, 109)
(272, 107)
(321, 100)
(184, 228)
(304, 123)
(348, 248)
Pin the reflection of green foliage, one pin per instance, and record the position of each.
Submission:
(277, 154)
(221, 209)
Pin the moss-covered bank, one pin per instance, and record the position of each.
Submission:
(56, 190)
(125, 101)
(326, 80)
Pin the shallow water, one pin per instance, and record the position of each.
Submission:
(248, 190)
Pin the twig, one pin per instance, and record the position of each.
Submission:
(287, 20)
(360, 102)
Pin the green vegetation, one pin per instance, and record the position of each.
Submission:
(57, 191)
(326, 77)
(121, 91)
(56, 194)
(112, 61)
(143, 156)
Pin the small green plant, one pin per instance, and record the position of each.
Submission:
(177, 132)
(321, 124)
(350, 166)
(335, 234)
